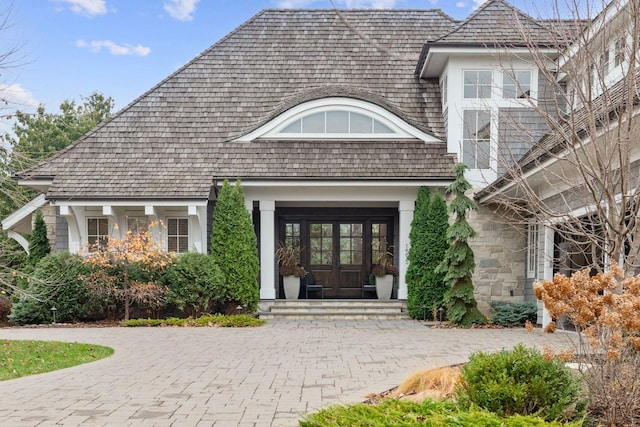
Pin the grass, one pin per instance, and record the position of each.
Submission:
(233, 321)
(430, 413)
(440, 383)
(22, 358)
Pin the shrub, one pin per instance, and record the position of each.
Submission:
(234, 247)
(56, 282)
(236, 321)
(425, 286)
(429, 413)
(5, 308)
(195, 283)
(512, 314)
(520, 381)
(38, 241)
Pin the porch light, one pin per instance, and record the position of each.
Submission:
(53, 311)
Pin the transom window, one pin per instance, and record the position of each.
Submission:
(477, 83)
(337, 122)
(476, 143)
(516, 84)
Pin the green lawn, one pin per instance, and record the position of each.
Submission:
(22, 358)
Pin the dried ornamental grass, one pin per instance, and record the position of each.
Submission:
(437, 383)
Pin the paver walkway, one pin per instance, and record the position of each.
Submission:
(257, 377)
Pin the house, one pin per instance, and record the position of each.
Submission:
(332, 120)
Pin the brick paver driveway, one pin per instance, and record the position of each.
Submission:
(235, 377)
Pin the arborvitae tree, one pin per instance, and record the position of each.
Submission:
(38, 242)
(426, 287)
(234, 247)
(459, 263)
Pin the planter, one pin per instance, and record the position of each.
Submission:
(384, 286)
(291, 286)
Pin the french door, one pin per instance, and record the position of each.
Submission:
(338, 252)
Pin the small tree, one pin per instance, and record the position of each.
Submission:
(459, 263)
(234, 247)
(426, 287)
(118, 259)
(38, 241)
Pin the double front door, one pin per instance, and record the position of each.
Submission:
(338, 253)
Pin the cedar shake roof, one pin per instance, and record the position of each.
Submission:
(498, 21)
(173, 140)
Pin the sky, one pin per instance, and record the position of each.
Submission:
(68, 49)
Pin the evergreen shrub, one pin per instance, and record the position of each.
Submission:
(55, 282)
(520, 381)
(512, 314)
(196, 283)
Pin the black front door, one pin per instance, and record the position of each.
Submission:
(340, 249)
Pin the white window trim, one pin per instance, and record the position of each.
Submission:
(402, 128)
(167, 219)
(532, 249)
(493, 146)
(86, 225)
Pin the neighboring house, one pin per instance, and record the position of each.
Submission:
(332, 120)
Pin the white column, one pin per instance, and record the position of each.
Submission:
(405, 207)
(267, 249)
(76, 225)
(548, 268)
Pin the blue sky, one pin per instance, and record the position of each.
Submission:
(121, 48)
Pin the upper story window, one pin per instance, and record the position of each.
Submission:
(443, 90)
(337, 122)
(516, 84)
(619, 51)
(477, 84)
(603, 63)
(476, 143)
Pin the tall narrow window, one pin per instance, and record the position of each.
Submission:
(603, 63)
(477, 84)
(443, 90)
(476, 142)
(177, 235)
(516, 84)
(97, 232)
(532, 250)
(292, 236)
(619, 51)
(378, 241)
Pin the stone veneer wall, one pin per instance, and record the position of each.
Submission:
(500, 255)
(49, 216)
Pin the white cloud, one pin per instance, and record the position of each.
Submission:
(114, 49)
(14, 97)
(86, 7)
(478, 3)
(461, 4)
(181, 10)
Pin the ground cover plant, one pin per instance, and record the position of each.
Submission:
(429, 413)
(22, 358)
(235, 321)
(513, 313)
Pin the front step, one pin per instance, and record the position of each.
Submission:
(333, 309)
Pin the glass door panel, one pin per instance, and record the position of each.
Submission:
(321, 244)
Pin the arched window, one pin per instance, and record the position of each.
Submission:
(337, 118)
(337, 122)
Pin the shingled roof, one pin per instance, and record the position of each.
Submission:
(174, 139)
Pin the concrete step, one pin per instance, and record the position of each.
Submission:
(333, 309)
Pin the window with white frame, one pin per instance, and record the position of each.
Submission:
(138, 224)
(619, 51)
(337, 122)
(532, 250)
(177, 235)
(603, 63)
(97, 233)
(516, 84)
(477, 84)
(476, 144)
(443, 90)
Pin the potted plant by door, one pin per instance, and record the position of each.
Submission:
(384, 272)
(290, 270)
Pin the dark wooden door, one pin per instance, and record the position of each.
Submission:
(337, 257)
